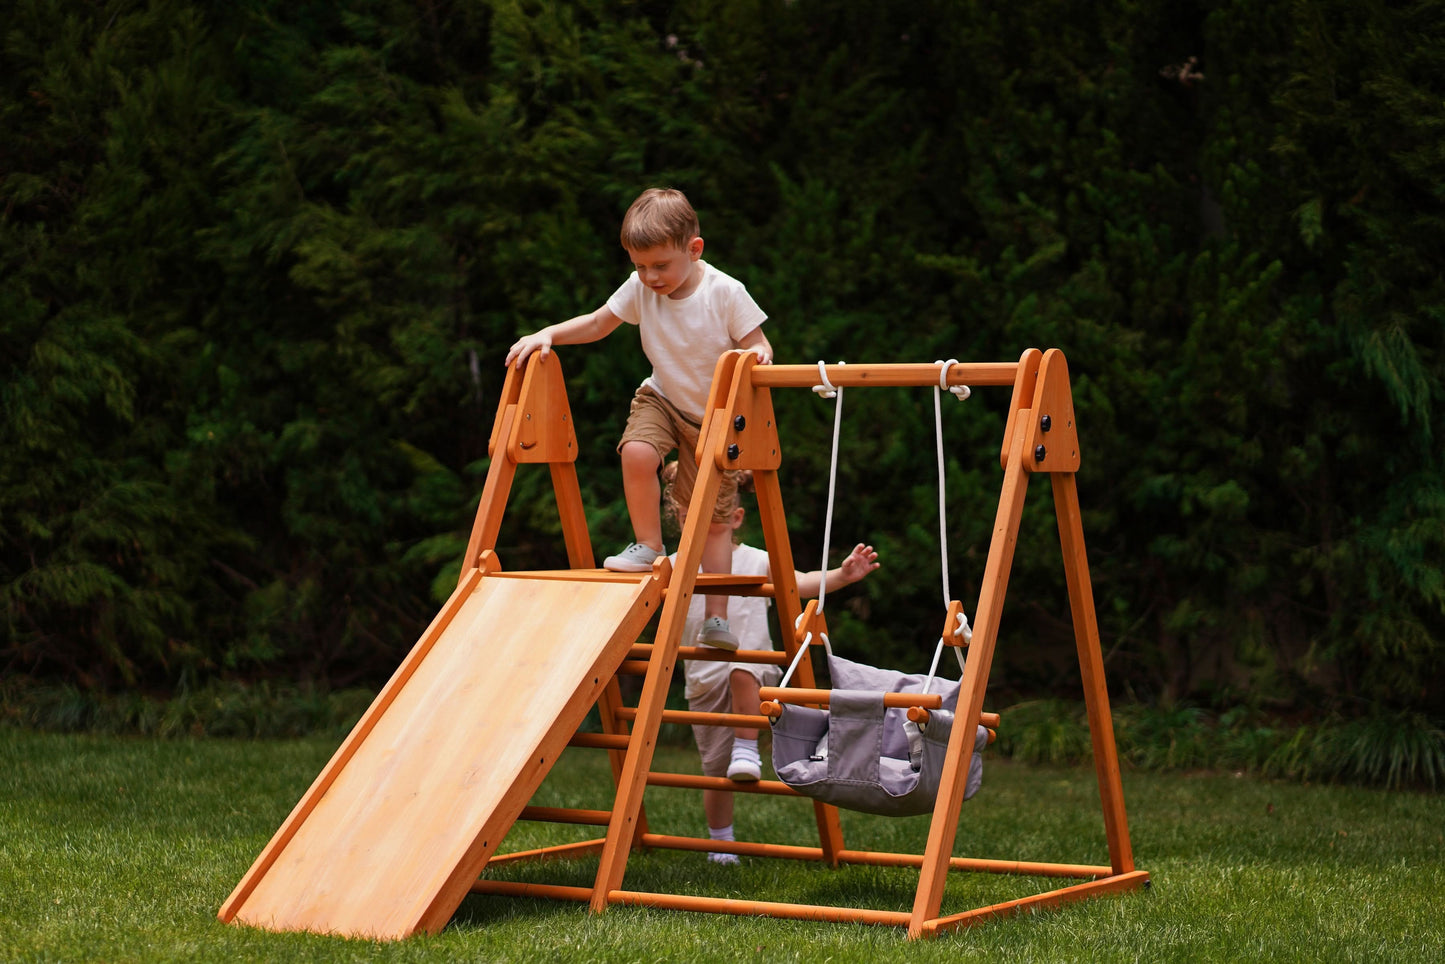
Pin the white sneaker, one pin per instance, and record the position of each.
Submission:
(727, 860)
(717, 634)
(745, 770)
(635, 558)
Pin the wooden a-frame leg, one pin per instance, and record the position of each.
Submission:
(1091, 667)
(494, 498)
(944, 828)
(622, 827)
(573, 516)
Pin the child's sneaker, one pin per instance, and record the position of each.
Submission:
(745, 765)
(744, 770)
(715, 633)
(726, 860)
(635, 558)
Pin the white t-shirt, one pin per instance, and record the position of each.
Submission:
(683, 337)
(748, 619)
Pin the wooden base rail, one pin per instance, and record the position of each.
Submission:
(715, 905)
(584, 848)
(873, 858)
(760, 908)
(1133, 880)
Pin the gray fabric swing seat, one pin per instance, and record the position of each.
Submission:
(864, 763)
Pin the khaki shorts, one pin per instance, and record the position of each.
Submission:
(657, 422)
(714, 743)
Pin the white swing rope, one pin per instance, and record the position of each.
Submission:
(960, 392)
(825, 389)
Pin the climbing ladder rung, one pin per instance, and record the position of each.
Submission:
(694, 717)
(766, 657)
(599, 741)
(691, 781)
(594, 818)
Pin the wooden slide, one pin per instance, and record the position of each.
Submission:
(398, 825)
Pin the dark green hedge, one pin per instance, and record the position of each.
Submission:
(260, 262)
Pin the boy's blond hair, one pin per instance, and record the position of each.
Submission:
(660, 215)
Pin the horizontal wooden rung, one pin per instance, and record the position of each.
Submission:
(695, 718)
(692, 781)
(516, 888)
(799, 696)
(591, 818)
(765, 657)
(599, 741)
(759, 908)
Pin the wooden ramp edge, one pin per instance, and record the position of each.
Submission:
(400, 822)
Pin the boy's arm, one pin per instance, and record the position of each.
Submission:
(574, 331)
(758, 342)
(860, 562)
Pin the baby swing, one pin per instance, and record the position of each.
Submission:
(866, 752)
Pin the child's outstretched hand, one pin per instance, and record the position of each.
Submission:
(861, 561)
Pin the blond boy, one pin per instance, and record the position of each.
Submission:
(688, 313)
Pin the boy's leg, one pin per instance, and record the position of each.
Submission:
(745, 763)
(643, 492)
(646, 439)
(717, 556)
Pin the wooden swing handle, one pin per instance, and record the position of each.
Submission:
(919, 715)
(796, 695)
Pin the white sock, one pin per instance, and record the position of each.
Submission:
(746, 749)
(722, 833)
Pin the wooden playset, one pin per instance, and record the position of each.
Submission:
(401, 823)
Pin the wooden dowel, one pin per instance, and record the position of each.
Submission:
(582, 848)
(744, 848)
(765, 657)
(1054, 898)
(593, 818)
(885, 376)
(599, 741)
(694, 718)
(690, 781)
(514, 888)
(797, 695)
(758, 908)
(919, 715)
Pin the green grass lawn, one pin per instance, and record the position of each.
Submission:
(116, 849)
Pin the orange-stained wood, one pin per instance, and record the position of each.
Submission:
(395, 830)
(814, 697)
(1025, 379)
(1091, 665)
(944, 828)
(1055, 443)
(1053, 898)
(543, 429)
